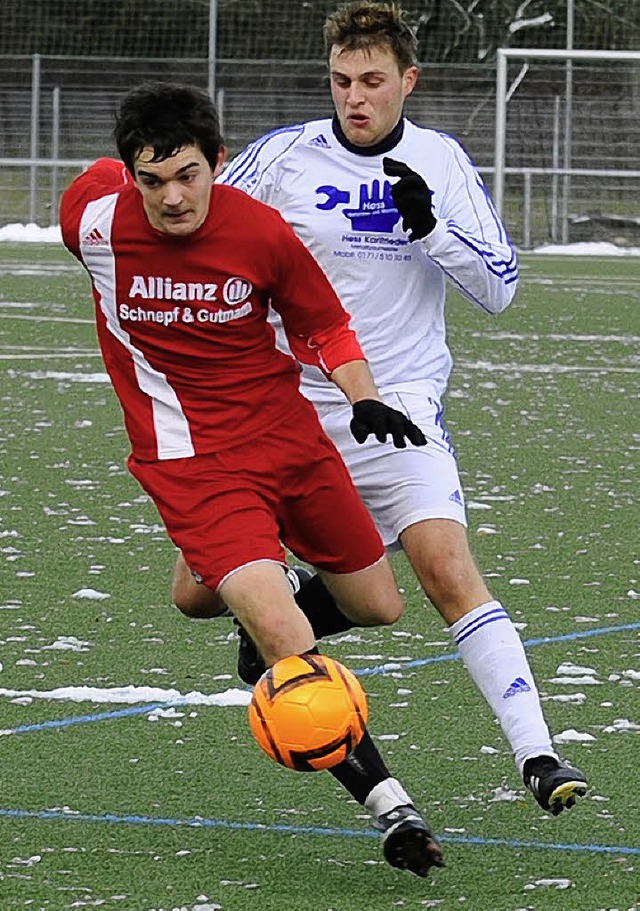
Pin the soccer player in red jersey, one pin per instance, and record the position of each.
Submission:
(233, 456)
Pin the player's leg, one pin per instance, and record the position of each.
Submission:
(248, 576)
(325, 523)
(415, 495)
(191, 596)
(194, 599)
(257, 595)
(493, 654)
(260, 598)
(439, 553)
(408, 841)
(489, 643)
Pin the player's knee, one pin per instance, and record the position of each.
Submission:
(184, 603)
(195, 601)
(444, 573)
(386, 611)
(451, 578)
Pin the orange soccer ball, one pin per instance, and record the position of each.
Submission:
(308, 712)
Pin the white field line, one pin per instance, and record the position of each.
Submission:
(554, 337)
(482, 366)
(543, 368)
(39, 269)
(48, 356)
(48, 319)
(48, 349)
(491, 336)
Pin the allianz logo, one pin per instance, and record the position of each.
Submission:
(162, 287)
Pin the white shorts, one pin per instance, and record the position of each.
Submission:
(401, 486)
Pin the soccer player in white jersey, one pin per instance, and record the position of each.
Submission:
(392, 212)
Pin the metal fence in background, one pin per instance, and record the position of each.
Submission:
(567, 156)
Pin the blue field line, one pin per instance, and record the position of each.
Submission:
(389, 667)
(201, 823)
(83, 719)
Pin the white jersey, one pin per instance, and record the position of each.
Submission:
(339, 203)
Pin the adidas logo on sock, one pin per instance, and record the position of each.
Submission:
(519, 685)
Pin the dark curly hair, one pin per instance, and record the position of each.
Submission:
(166, 116)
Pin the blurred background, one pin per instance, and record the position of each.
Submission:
(555, 135)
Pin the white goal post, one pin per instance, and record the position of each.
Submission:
(504, 92)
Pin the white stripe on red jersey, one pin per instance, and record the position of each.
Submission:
(182, 321)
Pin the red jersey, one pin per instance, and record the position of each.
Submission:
(182, 321)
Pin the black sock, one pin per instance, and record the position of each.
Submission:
(362, 770)
(319, 607)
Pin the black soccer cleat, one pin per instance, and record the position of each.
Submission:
(554, 783)
(251, 667)
(407, 841)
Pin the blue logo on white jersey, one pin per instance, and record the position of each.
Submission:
(375, 213)
(334, 197)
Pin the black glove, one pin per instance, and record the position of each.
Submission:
(412, 198)
(371, 416)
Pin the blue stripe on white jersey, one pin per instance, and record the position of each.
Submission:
(465, 291)
(260, 155)
(505, 269)
(470, 296)
(393, 289)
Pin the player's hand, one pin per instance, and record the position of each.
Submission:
(371, 416)
(412, 198)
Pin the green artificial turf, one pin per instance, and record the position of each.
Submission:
(119, 805)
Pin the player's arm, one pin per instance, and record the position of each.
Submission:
(256, 169)
(460, 231)
(318, 330)
(337, 352)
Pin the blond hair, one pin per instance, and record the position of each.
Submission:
(367, 24)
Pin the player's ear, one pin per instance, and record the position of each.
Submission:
(409, 80)
(222, 152)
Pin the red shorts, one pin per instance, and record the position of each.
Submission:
(289, 486)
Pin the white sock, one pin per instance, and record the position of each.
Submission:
(386, 796)
(493, 654)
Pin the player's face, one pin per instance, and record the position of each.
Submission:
(368, 92)
(176, 191)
